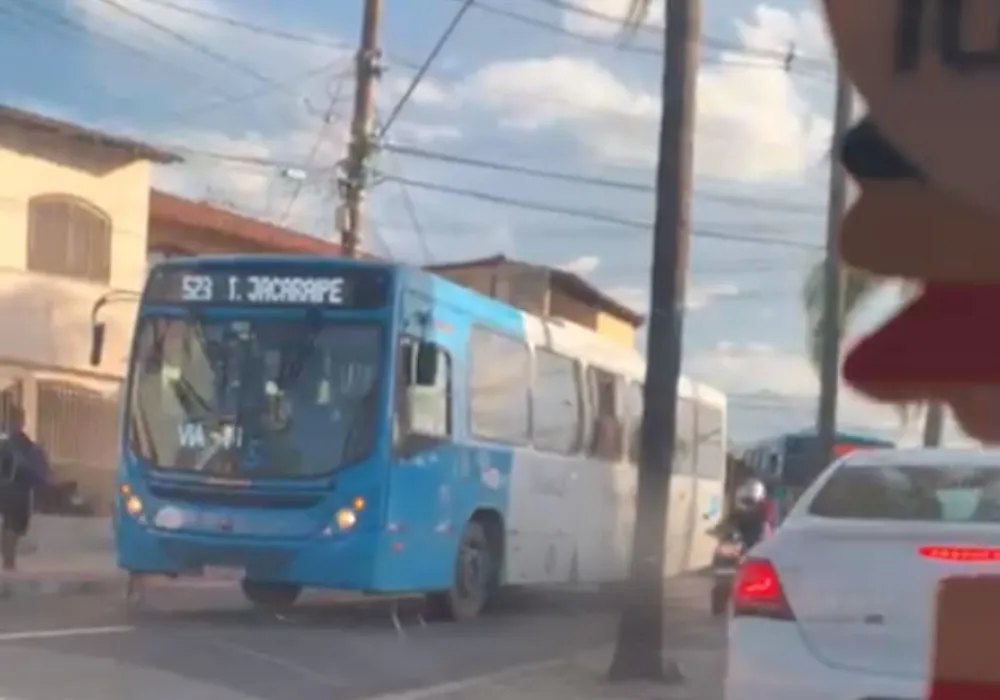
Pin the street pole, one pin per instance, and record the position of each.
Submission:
(355, 180)
(639, 651)
(826, 419)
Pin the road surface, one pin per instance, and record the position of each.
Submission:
(207, 645)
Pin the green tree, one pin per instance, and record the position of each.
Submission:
(858, 287)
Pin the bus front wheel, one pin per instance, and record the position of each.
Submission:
(474, 577)
(271, 596)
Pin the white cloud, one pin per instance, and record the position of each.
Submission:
(753, 124)
(605, 18)
(583, 265)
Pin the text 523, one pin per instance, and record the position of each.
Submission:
(196, 288)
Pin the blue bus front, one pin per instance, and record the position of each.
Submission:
(254, 430)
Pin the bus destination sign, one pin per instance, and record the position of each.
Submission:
(354, 288)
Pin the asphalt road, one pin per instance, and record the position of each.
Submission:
(207, 645)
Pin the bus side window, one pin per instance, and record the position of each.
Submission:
(608, 431)
(423, 397)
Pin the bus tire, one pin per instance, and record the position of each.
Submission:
(473, 580)
(271, 595)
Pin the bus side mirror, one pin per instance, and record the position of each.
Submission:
(97, 332)
(426, 370)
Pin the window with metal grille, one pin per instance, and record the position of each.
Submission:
(70, 237)
(76, 426)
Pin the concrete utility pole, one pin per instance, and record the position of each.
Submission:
(826, 419)
(639, 652)
(355, 180)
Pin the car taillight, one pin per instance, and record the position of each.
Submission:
(960, 554)
(757, 592)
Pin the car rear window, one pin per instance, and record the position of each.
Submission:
(921, 493)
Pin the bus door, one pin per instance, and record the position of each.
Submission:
(424, 456)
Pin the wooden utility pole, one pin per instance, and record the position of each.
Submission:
(826, 417)
(639, 652)
(355, 180)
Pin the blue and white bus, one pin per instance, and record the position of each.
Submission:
(372, 427)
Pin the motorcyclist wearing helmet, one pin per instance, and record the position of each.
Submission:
(750, 516)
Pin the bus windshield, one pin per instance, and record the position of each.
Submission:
(254, 398)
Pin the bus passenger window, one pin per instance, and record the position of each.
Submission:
(558, 404)
(607, 437)
(423, 396)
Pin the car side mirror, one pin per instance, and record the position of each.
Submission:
(97, 333)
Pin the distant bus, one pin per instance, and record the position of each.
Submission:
(790, 460)
(318, 422)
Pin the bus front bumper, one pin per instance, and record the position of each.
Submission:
(342, 561)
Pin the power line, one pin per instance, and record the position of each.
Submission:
(314, 150)
(411, 212)
(780, 60)
(422, 71)
(52, 18)
(589, 215)
(708, 42)
(262, 91)
(192, 44)
(410, 207)
(238, 23)
(59, 21)
(573, 178)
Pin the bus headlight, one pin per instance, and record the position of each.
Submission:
(346, 518)
(133, 506)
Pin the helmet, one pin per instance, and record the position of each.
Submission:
(750, 494)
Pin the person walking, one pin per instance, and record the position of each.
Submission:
(23, 469)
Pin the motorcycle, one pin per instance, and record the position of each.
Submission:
(725, 561)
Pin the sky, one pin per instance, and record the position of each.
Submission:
(256, 95)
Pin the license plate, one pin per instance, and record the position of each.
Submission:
(224, 572)
(725, 572)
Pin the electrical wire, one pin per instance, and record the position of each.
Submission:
(573, 178)
(590, 215)
(314, 150)
(55, 20)
(181, 38)
(707, 41)
(779, 61)
(262, 30)
(422, 71)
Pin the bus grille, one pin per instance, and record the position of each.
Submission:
(235, 498)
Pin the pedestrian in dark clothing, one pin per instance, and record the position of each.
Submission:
(23, 468)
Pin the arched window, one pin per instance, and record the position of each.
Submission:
(70, 237)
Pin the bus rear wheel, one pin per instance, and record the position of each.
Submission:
(474, 578)
(271, 596)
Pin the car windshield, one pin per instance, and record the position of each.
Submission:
(918, 493)
(254, 398)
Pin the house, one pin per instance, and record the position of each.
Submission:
(80, 220)
(546, 291)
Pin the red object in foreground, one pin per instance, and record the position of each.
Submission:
(960, 690)
(964, 661)
(949, 335)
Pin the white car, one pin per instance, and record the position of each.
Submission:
(839, 603)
